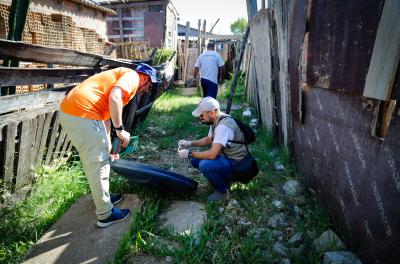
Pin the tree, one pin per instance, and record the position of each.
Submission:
(239, 26)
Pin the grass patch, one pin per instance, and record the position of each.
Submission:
(240, 90)
(227, 236)
(55, 191)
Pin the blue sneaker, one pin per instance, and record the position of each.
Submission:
(116, 198)
(117, 215)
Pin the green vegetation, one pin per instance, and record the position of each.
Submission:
(162, 56)
(221, 239)
(239, 26)
(240, 90)
(21, 226)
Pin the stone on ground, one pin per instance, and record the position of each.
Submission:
(279, 166)
(184, 217)
(285, 261)
(296, 239)
(147, 259)
(328, 241)
(75, 238)
(341, 257)
(279, 248)
(292, 188)
(276, 220)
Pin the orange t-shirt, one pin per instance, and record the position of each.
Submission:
(90, 99)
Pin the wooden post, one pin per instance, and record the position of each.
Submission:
(386, 54)
(186, 50)
(237, 70)
(199, 38)
(203, 42)
(213, 26)
(251, 8)
(180, 61)
(121, 28)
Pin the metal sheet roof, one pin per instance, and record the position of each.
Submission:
(95, 5)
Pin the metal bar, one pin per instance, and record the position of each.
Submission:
(237, 70)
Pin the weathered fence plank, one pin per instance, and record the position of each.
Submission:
(261, 45)
(53, 135)
(37, 53)
(38, 137)
(24, 115)
(43, 140)
(30, 100)
(60, 142)
(24, 154)
(9, 151)
(25, 76)
(42, 54)
(297, 21)
(65, 146)
(386, 54)
(281, 9)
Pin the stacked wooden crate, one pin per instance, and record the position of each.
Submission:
(4, 11)
(55, 30)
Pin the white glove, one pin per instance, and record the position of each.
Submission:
(183, 153)
(184, 143)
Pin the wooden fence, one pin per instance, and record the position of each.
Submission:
(138, 50)
(267, 85)
(30, 132)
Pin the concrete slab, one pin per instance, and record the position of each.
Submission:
(184, 217)
(75, 238)
(188, 91)
(234, 107)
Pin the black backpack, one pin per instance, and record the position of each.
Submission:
(249, 135)
(247, 168)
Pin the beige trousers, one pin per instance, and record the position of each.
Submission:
(90, 138)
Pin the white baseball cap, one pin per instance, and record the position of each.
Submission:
(206, 104)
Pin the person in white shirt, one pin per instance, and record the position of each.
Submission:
(210, 63)
(217, 163)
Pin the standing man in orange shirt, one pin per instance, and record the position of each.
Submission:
(85, 116)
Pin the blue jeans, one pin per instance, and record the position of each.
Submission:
(218, 172)
(209, 88)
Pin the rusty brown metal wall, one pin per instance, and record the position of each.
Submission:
(356, 176)
(154, 28)
(342, 35)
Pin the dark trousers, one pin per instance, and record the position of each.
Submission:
(209, 88)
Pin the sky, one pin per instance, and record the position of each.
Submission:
(210, 10)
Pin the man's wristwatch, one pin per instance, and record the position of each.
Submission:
(190, 154)
(120, 128)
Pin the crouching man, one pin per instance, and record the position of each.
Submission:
(217, 163)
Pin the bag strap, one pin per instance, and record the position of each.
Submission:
(234, 141)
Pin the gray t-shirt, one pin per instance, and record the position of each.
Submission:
(209, 63)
